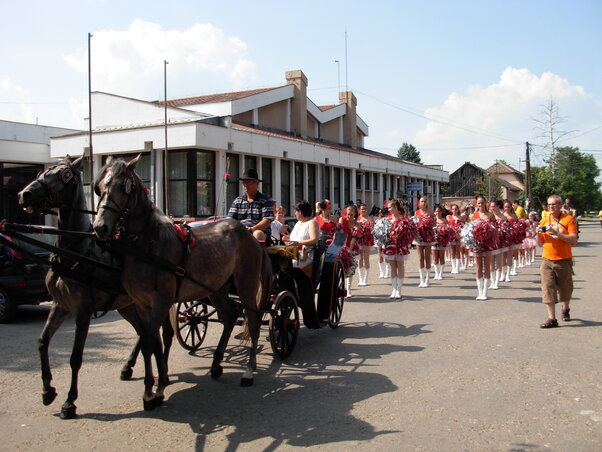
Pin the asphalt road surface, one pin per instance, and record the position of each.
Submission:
(437, 371)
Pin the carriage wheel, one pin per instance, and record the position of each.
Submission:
(338, 295)
(284, 324)
(189, 321)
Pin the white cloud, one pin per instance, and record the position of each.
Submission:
(130, 62)
(495, 115)
(14, 106)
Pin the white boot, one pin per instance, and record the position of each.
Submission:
(513, 270)
(394, 288)
(421, 271)
(387, 270)
(427, 274)
(479, 288)
(484, 291)
(440, 275)
(399, 286)
(362, 278)
(506, 270)
(366, 271)
(348, 286)
(495, 280)
(453, 266)
(381, 269)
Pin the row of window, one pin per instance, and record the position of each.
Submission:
(191, 181)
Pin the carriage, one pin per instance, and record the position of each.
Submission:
(319, 296)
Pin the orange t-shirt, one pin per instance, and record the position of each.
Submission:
(556, 249)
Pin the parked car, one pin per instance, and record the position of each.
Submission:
(22, 278)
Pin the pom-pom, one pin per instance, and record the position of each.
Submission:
(381, 231)
(444, 234)
(480, 235)
(425, 224)
(402, 232)
(349, 263)
(364, 233)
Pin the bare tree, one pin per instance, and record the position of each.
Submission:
(548, 124)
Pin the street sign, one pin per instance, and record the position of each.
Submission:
(414, 186)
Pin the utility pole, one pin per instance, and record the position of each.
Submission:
(91, 155)
(527, 176)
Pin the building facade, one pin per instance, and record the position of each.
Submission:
(301, 150)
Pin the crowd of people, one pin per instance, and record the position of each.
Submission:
(495, 237)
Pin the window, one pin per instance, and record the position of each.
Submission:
(367, 180)
(347, 188)
(285, 184)
(311, 184)
(326, 182)
(232, 187)
(250, 162)
(375, 183)
(336, 184)
(299, 178)
(358, 180)
(191, 177)
(266, 177)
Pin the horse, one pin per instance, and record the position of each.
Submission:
(223, 254)
(60, 187)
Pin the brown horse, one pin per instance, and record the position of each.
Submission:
(60, 187)
(160, 268)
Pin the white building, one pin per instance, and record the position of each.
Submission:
(301, 150)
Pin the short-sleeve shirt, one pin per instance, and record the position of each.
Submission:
(251, 213)
(556, 249)
(520, 212)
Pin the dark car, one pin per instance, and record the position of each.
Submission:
(21, 279)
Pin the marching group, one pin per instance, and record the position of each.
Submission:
(497, 238)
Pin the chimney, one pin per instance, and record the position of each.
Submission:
(299, 102)
(350, 119)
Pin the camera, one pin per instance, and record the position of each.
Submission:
(541, 229)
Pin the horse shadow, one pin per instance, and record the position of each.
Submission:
(306, 401)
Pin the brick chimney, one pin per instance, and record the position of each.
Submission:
(350, 119)
(299, 102)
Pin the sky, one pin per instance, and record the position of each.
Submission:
(460, 80)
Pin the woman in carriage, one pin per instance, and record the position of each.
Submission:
(306, 234)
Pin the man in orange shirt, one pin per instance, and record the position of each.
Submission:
(557, 234)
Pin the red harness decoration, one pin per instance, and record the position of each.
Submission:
(185, 236)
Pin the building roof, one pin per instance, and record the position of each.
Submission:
(501, 167)
(214, 98)
(326, 107)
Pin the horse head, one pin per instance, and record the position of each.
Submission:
(120, 191)
(54, 187)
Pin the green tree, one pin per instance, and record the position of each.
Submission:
(489, 186)
(409, 153)
(571, 174)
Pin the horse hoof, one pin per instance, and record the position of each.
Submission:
(150, 405)
(49, 396)
(217, 372)
(68, 411)
(126, 374)
(246, 382)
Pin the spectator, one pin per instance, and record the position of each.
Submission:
(600, 217)
(278, 226)
(556, 234)
(518, 210)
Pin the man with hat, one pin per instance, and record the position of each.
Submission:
(253, 209)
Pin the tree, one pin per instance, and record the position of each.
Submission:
(571, 174)
(489, 186)
(409, 153)
(548, 124)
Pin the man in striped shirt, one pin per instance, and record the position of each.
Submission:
(253, 209)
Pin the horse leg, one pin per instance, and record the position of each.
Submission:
(168, 334)
(82, 322)
(228, 314)
(153, 344)
(55, 320)
(147, 347)
(130, 314)
(253, 324)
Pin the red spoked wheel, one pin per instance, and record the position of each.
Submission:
(189, 321)
(338, 295)
(284, 324)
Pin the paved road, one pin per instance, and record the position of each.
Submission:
(437, 371)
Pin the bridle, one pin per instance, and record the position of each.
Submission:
(70, 175)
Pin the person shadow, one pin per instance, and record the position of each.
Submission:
(307, 400)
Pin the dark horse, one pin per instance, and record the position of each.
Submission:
(60, 187)
(223, 254)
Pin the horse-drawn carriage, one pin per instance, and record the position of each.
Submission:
(142, 268)
(319, 295)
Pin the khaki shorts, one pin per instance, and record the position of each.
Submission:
(556, 280)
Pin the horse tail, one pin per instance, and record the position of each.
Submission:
(263, 299)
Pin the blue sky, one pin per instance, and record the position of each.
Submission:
(461, 80)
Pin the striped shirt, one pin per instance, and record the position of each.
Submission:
(251, 213)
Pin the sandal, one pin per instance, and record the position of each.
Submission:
(566, 315)
(550, 323)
